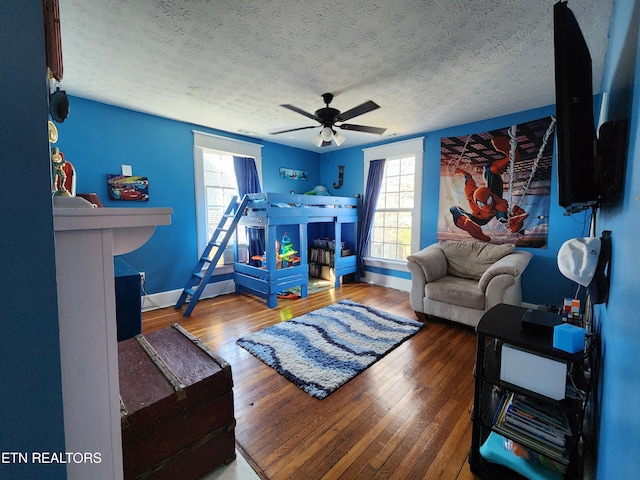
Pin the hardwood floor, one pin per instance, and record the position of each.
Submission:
(405, 417)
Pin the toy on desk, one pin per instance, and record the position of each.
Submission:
(571, 311)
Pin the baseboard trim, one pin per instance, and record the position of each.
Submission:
(155, 301)
(389, 281)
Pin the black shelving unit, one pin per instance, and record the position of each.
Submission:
(502, 325)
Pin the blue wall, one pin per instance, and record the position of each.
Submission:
(617, 321)
(98, 139)
(31, 416)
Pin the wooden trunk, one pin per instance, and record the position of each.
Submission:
(176, 406)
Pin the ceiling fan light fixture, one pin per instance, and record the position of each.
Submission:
(326, 134)
(338, 138)
(317, 139)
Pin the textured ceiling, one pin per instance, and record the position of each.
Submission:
(229, 64)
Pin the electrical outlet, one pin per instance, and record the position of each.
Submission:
(142, 277)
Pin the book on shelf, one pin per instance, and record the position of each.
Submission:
(527, 428)
(526, 418)
(544, 412)
(553, 452)
(326, 256)
(541, 427)
(323, 256)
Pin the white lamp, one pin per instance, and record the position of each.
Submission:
(326, 134)
(317, 139)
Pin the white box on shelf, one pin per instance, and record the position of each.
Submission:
(534, 372)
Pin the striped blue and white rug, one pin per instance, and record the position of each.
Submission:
(322, 350)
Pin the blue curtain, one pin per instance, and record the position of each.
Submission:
(374, 182)
(248, 182)
(246, 175)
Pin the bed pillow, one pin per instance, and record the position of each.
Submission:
(471, 259)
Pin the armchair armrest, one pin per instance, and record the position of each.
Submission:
(427, 265)
(432, 261)
(510, 265)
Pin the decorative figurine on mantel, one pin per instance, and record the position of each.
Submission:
(63, 175)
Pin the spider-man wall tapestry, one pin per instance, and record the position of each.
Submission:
(495, 186)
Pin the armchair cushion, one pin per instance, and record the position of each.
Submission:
(472, 259)
(456, 291)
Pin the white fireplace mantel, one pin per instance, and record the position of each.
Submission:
(86, 240)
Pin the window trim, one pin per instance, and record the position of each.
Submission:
(413, 146)
(208, 141)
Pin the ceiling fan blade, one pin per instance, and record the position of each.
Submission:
(293, 130)
(301, 112)
(355, 111)
(362, 128)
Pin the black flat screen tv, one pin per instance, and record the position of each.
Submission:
(578, 186)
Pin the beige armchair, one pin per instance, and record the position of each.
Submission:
(459, 281)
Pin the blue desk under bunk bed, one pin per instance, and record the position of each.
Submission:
(269, 211)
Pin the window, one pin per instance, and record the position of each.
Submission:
(396, 225)
(215, 181)
(391, 231)
(220, 186)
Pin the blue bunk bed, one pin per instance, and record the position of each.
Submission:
(269, 211)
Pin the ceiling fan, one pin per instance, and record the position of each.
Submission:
(328, 117)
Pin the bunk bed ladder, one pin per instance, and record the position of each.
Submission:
(200, 277)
